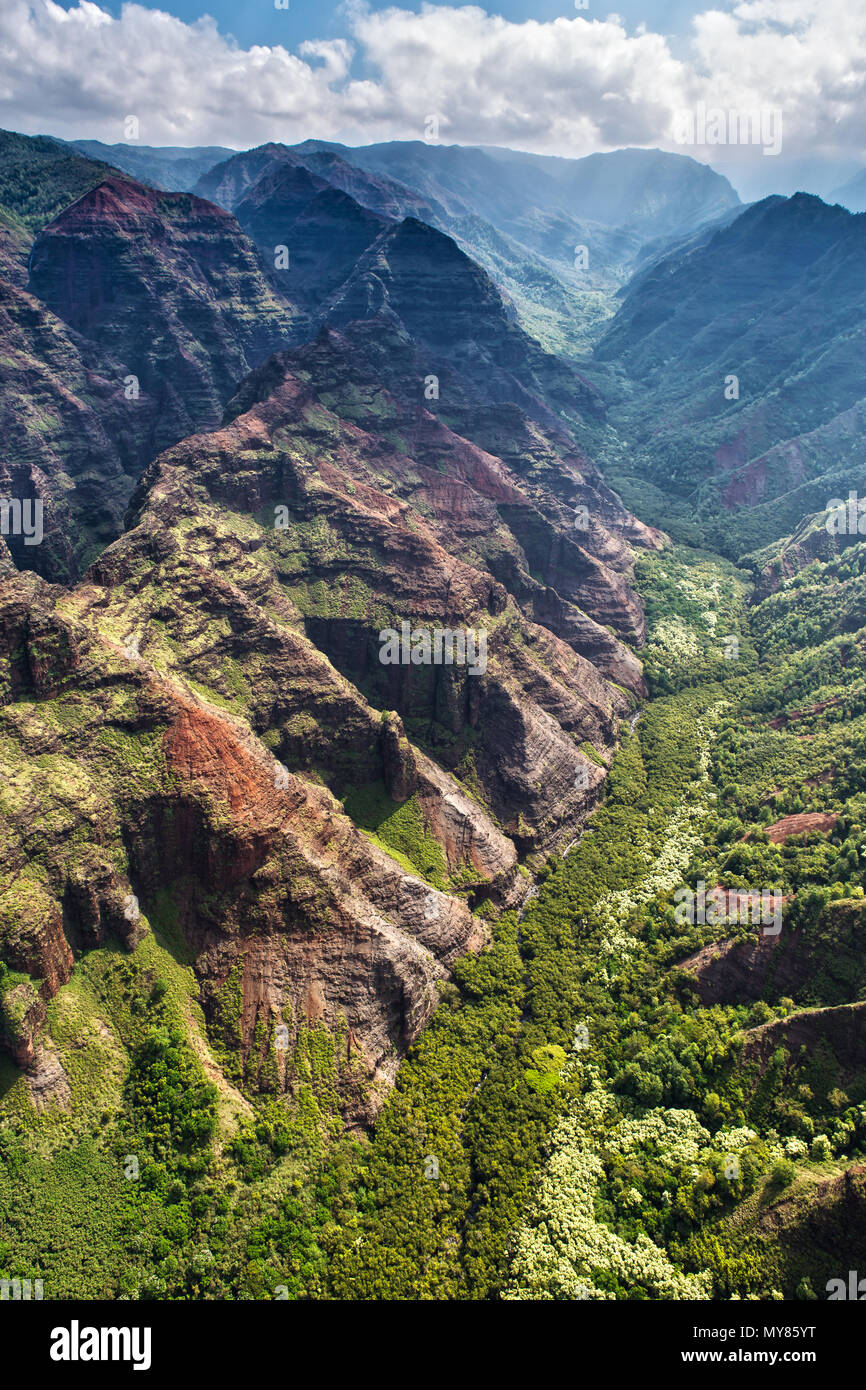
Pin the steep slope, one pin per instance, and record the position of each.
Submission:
(503, 490)
(249, 867)
(144, 791)
(542, 200)
(128, 319)
(337, 549)
(323, 229)
(229, 182)
(127, 324)
(742, 359)
(71, 440)
(168, 284)
(347, 263)
(557, 305)
(15, 242)
(193, 700)
(39, 176)
(522, 217)
(254, 831)
(448, 304)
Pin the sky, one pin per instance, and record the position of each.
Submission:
(261, 22)
(546, 77)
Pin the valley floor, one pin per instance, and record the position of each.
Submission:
(610, 1102)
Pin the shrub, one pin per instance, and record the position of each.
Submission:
(782, 1173)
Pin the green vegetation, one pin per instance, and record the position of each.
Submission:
(400, 829)
(40, 177)
(583, 1117)
(653, 1150)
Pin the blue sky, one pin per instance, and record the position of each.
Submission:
(543, 77)
(257, 21)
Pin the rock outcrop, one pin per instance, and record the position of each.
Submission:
(272, 885)
(363, 648)
(213, 689)
(126, 324)
(167, 284)
(824, 963)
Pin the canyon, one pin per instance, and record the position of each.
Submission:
(193, 691)
(369, 958)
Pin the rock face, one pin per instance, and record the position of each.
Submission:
(223, 663)
(23, 1014)
(826, 962)
(519, 216)
(356, 257)
(450, 305)
(400, 767)
(324, 925)
(70, 439)
(313, 921)
(47, 1082)
(168, 285)
(344, 541)
(518, 495)
(143, 311)
(757, 416)
(323, 229)
(126, 323)
(365, 644)
(841, 1029)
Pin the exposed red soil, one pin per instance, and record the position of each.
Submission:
(782, 719)
(782, 830)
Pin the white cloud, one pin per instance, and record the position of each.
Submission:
(807, 57)
(568, 86)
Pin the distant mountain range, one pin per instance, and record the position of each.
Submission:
(852, 194)
(559, 236)
(623, 263)
(739, 370)
(175, 168)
